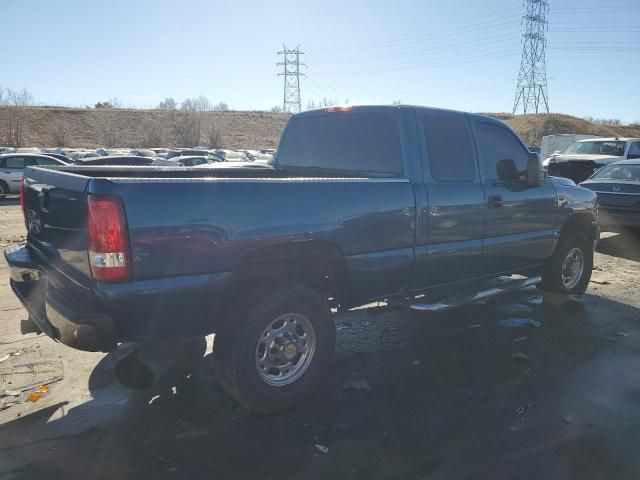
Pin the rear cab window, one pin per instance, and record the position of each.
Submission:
(362, 143)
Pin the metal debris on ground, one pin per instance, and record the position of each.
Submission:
(357, 385)
(321, 448)
(519, 355)
(28, 381)
(474, 326)
(515, 322)
(520, 339)
(520, 410)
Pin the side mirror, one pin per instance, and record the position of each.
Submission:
(534, 171)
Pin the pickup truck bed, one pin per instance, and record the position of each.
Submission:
(359, 205)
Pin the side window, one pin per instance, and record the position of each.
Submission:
(45, 161)
(449, 146)
(14, 162)
(634, 150)
(502, 156)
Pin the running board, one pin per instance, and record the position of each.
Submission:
(481, 295)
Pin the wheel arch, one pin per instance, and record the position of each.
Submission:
(319, 265)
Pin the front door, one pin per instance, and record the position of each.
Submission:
(520, 221)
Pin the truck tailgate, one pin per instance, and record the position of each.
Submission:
(55, 212)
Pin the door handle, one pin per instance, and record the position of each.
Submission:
(494, 201)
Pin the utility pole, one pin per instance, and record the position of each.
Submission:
(531, 92)
(291, 64)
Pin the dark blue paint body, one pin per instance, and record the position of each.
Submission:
(188, 235)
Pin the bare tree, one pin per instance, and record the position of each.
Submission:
(17, 100)
(202, 104)
(115, 102)
(22, 98)
(168, 104)
(154, 134)
(109, 132)
(213, 136)
(187, 124)
(221, 107)
(59, 133)
(276, 109)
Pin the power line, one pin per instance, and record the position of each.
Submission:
(291, 101)
(531, 90)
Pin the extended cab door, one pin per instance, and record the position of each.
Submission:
(451, 223)
(520, 221)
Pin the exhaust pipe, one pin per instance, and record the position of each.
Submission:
(148, 363)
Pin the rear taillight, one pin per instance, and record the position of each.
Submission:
(22, 199)
(108, 241)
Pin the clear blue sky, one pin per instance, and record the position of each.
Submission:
(460, 54)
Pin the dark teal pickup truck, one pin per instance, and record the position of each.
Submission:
(403, 204)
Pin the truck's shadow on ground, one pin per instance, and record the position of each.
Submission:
(451, 396)
(624, 245)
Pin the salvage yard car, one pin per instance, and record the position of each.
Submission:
(618, 189)
(12, 167)
(424, 208)
(585, 157)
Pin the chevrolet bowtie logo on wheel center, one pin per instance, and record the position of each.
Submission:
(290, 351)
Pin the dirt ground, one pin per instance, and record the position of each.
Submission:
(445, 396)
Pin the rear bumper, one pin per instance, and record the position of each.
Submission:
(57, 315)
(101, 315)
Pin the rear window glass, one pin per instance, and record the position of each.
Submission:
(449, 145)
(365, 142)
(14, 162)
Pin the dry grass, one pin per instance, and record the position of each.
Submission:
(89, 127)
(533, 127)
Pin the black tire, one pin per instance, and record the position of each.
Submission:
(4, 189)
(236, 344)
(552, 273)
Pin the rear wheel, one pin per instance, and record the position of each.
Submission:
(4, 189)
(272, 354)
(568, 270)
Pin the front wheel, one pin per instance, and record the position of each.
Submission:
(568, 270)
(271, 355)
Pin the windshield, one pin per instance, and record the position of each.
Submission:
(619, 172)
(614, 148)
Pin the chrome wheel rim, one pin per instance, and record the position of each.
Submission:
(572, 268)
(285, 349)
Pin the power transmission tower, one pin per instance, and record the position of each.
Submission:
(531, 91)
(291, 65)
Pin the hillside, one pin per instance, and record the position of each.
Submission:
(534, 126)
(91, 128)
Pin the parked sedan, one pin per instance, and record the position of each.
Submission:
(12, 168)
(122, 160)
(618, 188)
